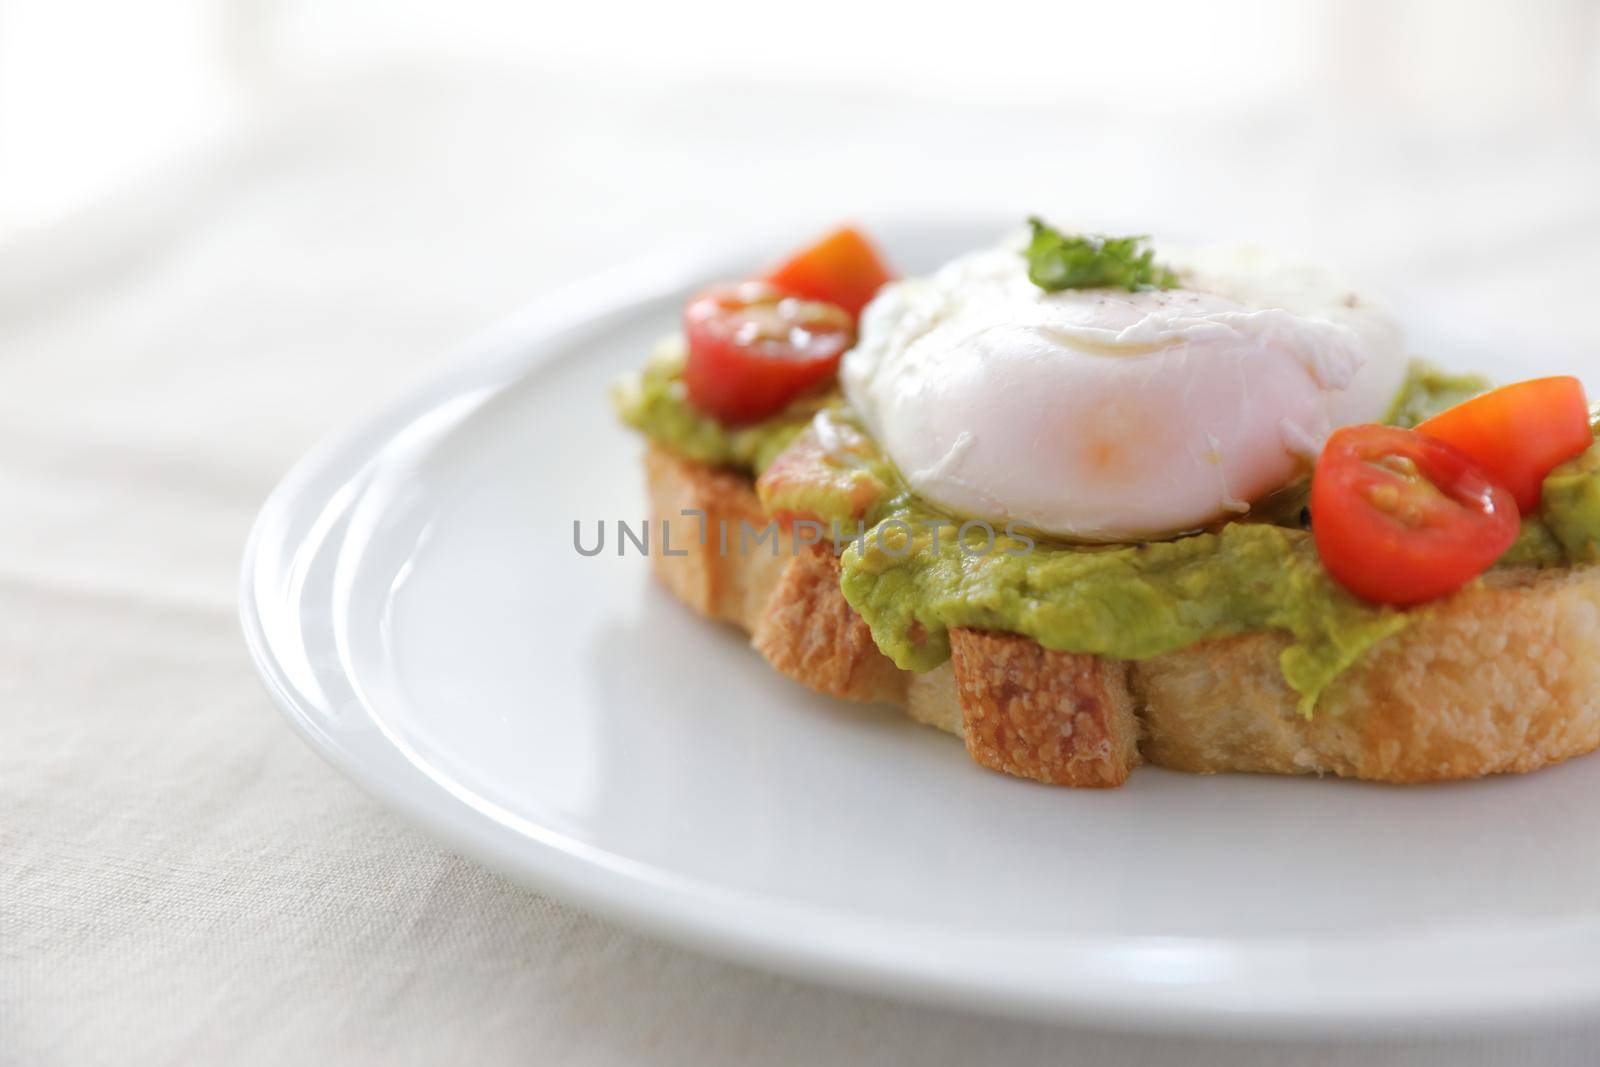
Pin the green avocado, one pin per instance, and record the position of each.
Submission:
(1428, 390)
(913, 582)
(1570, 508)
(654, 402)
(915, 573)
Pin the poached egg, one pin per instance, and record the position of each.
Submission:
(1105, 415)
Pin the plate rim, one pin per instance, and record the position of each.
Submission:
(772, 935)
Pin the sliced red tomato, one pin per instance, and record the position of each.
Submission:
(1518, 433)
(753, 348)
(843, 268)
(1400, 517)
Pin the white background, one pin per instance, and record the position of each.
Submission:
(94, 93)
(226, 228)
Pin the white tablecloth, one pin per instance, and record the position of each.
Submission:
(181, 880)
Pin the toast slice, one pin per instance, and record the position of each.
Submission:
(1503, 676)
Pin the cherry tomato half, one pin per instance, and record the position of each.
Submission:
(753, 348)
(1518, 433)
(1400, 517)
(843, 268)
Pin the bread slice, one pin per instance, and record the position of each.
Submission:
(1504, 676)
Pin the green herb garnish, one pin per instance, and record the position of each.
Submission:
(1059, 261)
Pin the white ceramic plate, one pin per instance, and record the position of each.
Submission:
(413, 598)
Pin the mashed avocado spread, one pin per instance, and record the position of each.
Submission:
(653, 401)
(1566, 529)
(913, 573)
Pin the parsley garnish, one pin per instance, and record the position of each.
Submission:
(1059, 261)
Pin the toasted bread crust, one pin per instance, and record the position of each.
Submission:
(1051, 716)
(701, 508)
(808, 632)
(1501, 677)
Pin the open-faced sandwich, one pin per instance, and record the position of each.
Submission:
(1086, 504)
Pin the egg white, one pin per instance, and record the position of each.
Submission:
(1106, 415)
